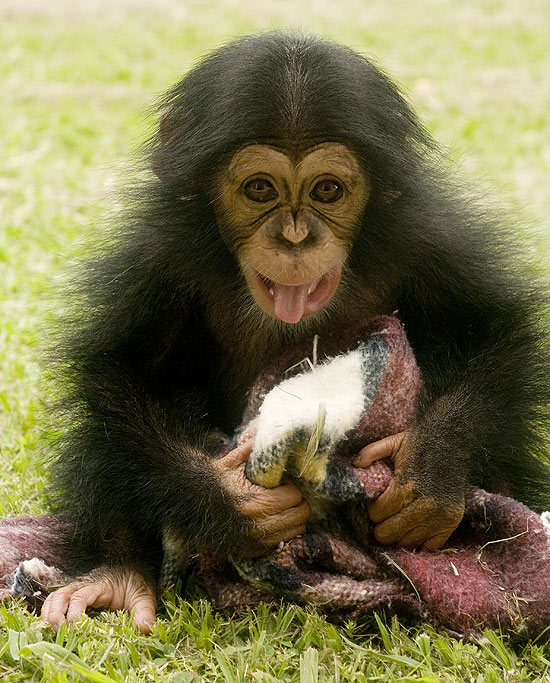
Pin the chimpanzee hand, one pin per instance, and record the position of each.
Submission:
(277, 514)
(409, 513)
(109, 588)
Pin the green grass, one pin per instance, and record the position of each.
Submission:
(77, 78)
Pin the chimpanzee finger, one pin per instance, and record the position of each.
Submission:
(98, 594)
(430, 536)
(135, 596)
(143, 608)
(278, 523)
(438, 540)
(46, 607)
(286, 535)
(270, 501)
(238, 455)
(422, 523)
(54, 609)
(249, 433)
(393, 500)
(416, 519)
(283, 536)
(420, 534)
(264, 545)
(384, 448)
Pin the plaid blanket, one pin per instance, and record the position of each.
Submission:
(312, 411)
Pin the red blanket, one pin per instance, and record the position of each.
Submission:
(493, 572)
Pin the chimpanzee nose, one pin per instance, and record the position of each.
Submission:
(295, 229)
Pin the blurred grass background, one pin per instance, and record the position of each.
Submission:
(77, 79)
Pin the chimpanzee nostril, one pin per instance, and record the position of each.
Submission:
(295, 229)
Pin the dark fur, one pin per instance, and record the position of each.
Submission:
(171, 339)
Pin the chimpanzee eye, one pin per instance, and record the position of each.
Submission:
(327, 191)
(260, 190)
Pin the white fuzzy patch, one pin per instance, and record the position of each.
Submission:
(35, 567)
(294, 404)
(545, 519)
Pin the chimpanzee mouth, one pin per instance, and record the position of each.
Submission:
(291, 303)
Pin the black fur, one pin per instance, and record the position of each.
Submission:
(148, 376)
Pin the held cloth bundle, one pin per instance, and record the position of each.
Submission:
(312, 411)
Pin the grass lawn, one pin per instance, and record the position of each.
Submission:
(77, 78)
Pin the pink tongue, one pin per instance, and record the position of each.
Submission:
(290, 302)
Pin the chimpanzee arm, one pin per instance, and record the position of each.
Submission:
(483, 365)
(145, 469)
(140, 468)
(137, 458)
(481, 350)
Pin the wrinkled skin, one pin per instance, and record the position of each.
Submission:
(278, 515)
(402, 514)
(115, 588)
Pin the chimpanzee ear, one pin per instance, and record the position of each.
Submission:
(171, 127)
(382, 191)
(386, 194)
